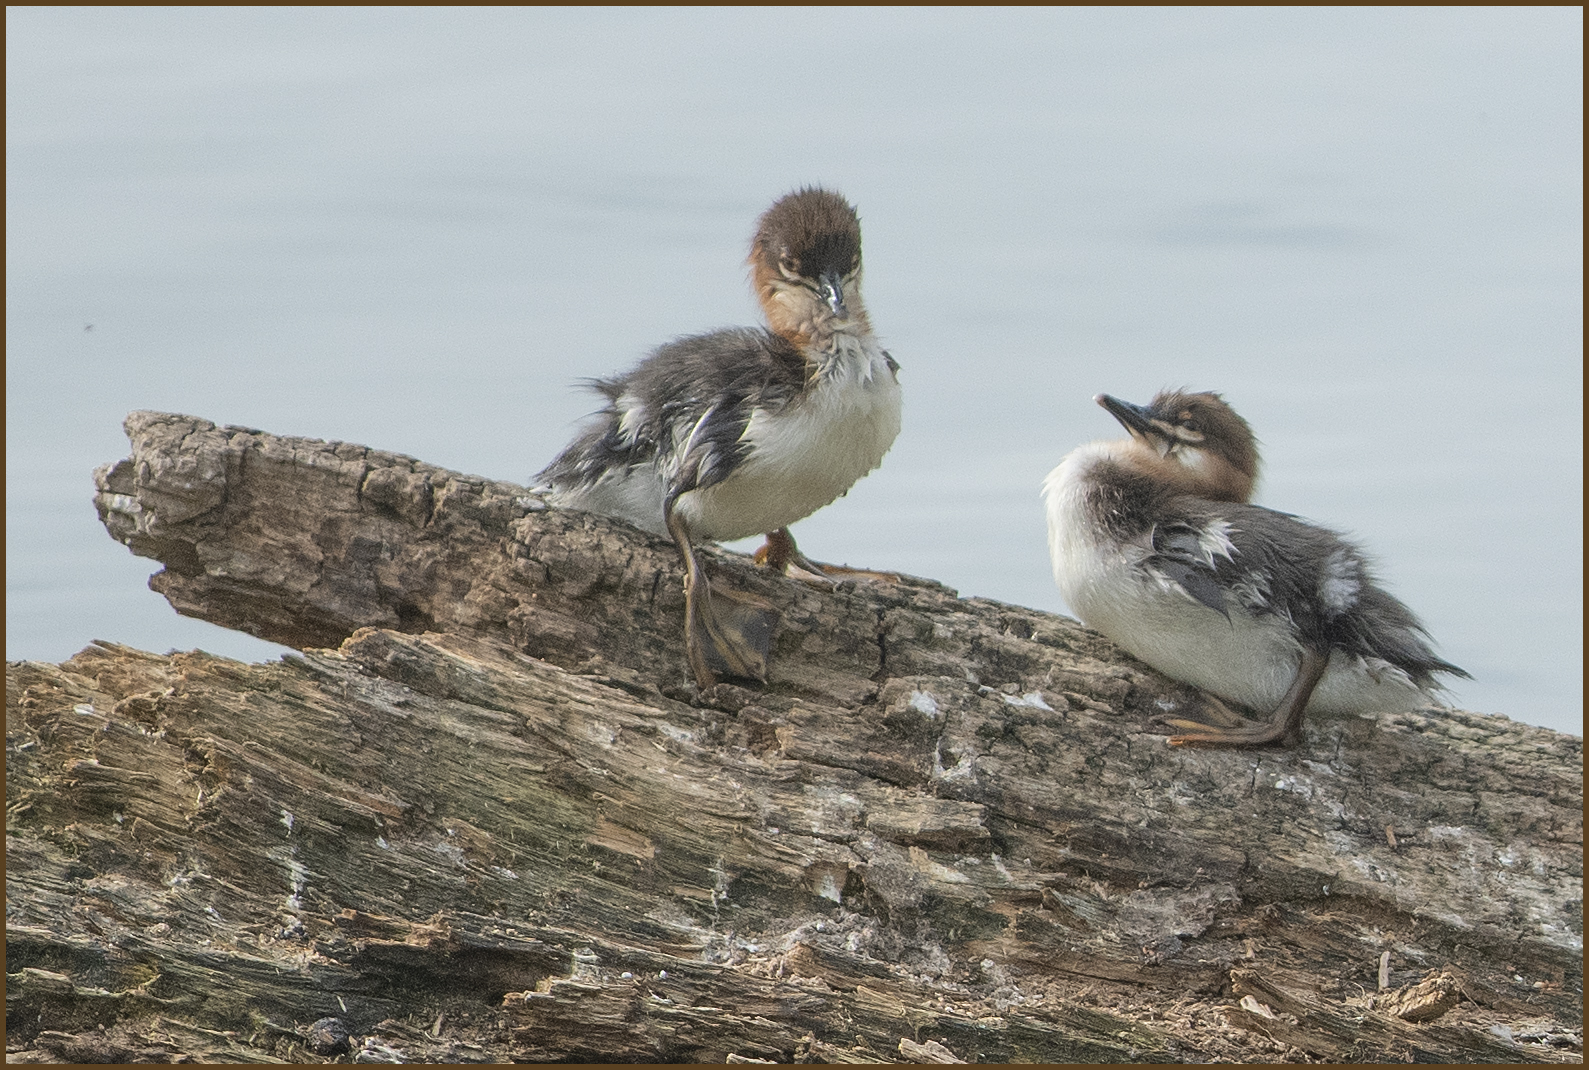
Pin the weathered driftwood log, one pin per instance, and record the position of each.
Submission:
(486, 816)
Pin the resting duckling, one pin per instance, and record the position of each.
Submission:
(1154, 544)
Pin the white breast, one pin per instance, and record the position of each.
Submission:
(807, 454)
(1245, 659)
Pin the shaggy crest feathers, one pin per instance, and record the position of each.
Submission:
(808, 233)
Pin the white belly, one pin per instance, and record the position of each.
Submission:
(805, 456)
(1248, 660)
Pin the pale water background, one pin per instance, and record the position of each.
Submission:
(416, 229)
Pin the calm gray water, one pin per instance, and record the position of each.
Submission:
(416, 229)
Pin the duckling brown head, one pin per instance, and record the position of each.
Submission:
(805, 264)
(1195, 441)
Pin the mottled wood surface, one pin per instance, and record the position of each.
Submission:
(485, 816)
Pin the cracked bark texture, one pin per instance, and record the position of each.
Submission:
(485, 816)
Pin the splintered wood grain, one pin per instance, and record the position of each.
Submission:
(402, 828)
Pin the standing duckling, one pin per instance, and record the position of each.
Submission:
(744, 431)
(1154, 545)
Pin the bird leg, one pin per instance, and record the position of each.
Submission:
(726, 631)
(779, 552)
(1283, 726)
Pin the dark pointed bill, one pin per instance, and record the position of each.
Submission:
(1135, 418)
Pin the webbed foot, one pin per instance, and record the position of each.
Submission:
(729, 633)
(780, 551)
(725, 632)
(1212, 713)
(1246, 734)
(1284, 725)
